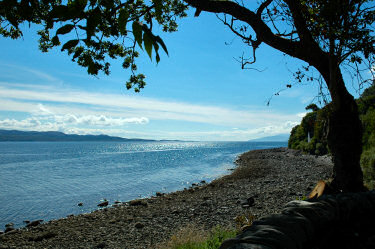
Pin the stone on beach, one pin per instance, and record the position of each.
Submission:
(34, 223)
(138, 203)
(103, 204)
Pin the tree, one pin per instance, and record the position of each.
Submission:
(95, 31)
(312, 107)
(327, 35)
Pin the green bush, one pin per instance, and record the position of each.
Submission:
(368, 124)
(316, 123)
(191, 237)
(368, 167)
(297, 135)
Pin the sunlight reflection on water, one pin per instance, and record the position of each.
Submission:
(46, 180)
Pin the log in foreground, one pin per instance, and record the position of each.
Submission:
(340, 221)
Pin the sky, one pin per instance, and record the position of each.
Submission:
(199, 92)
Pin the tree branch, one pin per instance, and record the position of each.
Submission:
(264, 33)
(300, 23)
(263, 6)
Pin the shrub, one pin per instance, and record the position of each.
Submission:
(368, 167)
(192, 237)
(368, 123)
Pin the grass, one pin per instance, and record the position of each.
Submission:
(192, 237)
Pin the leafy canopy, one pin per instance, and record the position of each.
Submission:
(94, 31)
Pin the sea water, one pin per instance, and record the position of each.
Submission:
(47, 180)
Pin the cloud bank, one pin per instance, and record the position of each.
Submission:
(84, 112)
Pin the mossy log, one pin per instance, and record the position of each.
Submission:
(339, 221)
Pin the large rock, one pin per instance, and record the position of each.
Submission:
(103, 204)
(34, 223)
(138, 203)
(341, 221)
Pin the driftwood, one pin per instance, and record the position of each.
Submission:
(340, 221)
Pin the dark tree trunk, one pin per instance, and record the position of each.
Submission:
(345, 143)
(344, 134)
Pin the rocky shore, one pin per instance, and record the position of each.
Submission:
(263, 182)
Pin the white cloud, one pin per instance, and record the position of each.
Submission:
(30, 73)
(99, 120)
(42, 111)
(83, 112)
(26, 123)
(44, 119)
(230, 134)
(124, 105)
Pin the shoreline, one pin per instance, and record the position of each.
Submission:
(269, 177)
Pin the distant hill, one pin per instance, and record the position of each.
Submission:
(276, 138)
(14, 135)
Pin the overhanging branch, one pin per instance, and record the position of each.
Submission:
(263, 32)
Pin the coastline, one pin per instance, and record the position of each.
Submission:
(270, 178)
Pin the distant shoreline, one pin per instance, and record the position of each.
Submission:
(55, 136)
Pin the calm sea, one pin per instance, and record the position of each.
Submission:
(46, 180)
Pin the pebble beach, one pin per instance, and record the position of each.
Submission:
(261, 184)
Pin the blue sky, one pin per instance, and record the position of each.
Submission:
(199, 92)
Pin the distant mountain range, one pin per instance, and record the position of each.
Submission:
(14, 135)
(276, 138)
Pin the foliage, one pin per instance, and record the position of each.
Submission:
(313, 124)
(367, 99)
(96, 31)
(312, 107)
(368, 167)
(192, 238)
(370, 91)
(297, 135)
(368, 123)
(317, 120)
(318, 143)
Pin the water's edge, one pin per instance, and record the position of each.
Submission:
(113, 194)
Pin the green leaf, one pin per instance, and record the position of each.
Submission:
(93, 2)
(70, 44)
(160, 41)
(137, 32)
(92, 21)
(148, 41)
(157, 57)
(65, 29)
(122, 20)
(58, 11)
(55, 40)
(158, 8)
(81, 4)
(156, 46)
(78, 52)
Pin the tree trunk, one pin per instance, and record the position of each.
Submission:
(345, 143)
(344, 135)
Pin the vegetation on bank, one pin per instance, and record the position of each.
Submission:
(311, 135)
(191, 237)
